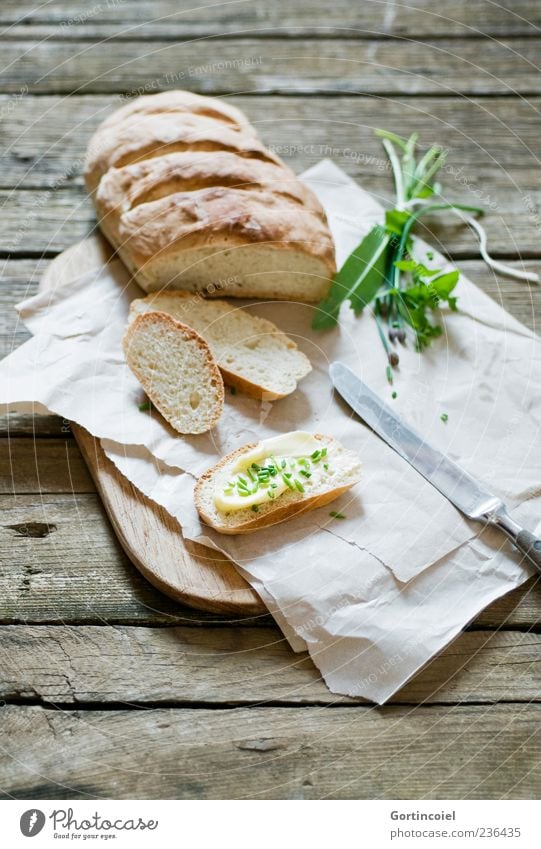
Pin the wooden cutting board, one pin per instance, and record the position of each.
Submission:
(188, 572)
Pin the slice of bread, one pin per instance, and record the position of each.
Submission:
(252, 354)
(324, 486)
(177, 370)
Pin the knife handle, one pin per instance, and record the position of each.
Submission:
(526, 542)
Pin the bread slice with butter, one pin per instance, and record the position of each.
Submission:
(177, 370)
(264, 483)
(252, 354)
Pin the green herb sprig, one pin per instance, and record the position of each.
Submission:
(383, 272)
(257, 477)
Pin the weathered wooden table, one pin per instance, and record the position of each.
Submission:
(109, 689)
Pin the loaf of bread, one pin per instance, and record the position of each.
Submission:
(252, 354)
(191, 199)
(177, 370)
(276, 480)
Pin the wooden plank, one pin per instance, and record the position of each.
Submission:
(492, 159)
(171, 19)
(14, 425)
(490, 144)
(186, 571)
(60, 562)
(238, 666)
(76, 572)
(345, 752)
(44, 466)
(215, 66)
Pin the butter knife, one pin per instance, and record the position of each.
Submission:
(462, 490)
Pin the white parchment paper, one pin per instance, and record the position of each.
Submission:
(374, 596)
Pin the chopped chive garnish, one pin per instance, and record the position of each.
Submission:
(287, 481)
(271, 494)
(305, 474)
(251, 475)
(315, 455)
(394, 395)
(336, 515)
(287, 474)
(444, 417)
(299, 485)
(274, 486)
(244, 494)
(145, 406)
(326, 466)
(323, 452)
(255, 508)
(255, 467)
(283, 464)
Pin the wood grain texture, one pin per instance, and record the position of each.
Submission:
(42, 466)
(492, 160)
(78, 573)
(474, 752)
(185, 571)
(405, 66)
(60, 561)
(182, 18)
(267, 66)
(49, 152)
(226, 666)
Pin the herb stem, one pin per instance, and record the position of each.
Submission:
(424, 210)
(397, 173)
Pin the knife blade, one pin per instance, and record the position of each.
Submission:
(460, 488)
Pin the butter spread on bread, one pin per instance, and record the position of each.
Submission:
(274, 480)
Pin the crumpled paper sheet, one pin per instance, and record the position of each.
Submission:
(371, 597)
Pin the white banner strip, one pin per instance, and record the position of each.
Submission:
(270, 824)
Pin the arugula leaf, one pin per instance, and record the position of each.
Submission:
(445, 283)
(359, 279)
(417, 268)
(395, 220)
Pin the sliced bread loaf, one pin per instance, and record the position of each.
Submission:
(177, 370)
(252, 354)
(331, 474)
(189, 197)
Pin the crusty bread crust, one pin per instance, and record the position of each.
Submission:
(121, 189)
(272, 517)
(221, 217)
(174, 173)
(162, 320)
(161, 133)
(179, 100)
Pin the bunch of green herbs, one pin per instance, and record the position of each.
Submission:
(383, 272)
